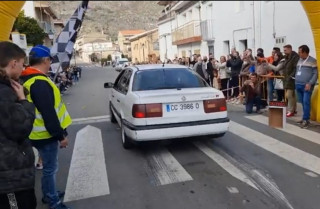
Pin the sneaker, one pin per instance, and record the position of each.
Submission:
(305, 124)
(290, 114)
(39, 166)
(60, 195)
(259, 112)
(61, 206)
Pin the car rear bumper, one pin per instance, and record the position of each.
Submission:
(176, 130)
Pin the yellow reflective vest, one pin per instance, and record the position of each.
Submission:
(39, 131)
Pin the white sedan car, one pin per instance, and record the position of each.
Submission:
(156, 102)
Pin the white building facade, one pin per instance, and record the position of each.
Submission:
(45, 16)
(240, 24)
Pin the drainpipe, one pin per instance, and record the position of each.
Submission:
(254, 28)
(274, 17)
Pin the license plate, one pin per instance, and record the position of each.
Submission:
(183, 107)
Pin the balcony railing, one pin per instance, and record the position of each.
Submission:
(187, 33)
(166, 16)
(207, 31)
(47, 27)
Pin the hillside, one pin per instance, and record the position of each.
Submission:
(112, 16)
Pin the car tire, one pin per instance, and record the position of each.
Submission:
(112, 117)
(126, 141)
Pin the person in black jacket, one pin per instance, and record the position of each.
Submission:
(210, 70)
(17, 171)
(235, 63)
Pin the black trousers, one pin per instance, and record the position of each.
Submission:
(19, 200)
(224, 86)
(234, 82)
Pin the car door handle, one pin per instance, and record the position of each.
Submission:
(118, 100)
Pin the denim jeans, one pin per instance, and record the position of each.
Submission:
(250, 103)
(49, 155)
(270, 87)
(304, 97)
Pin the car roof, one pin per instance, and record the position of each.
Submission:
(159, 66)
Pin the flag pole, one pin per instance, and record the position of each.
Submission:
(55, 76)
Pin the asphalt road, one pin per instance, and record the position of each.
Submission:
(252, 166)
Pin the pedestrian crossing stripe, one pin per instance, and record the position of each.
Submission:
(290, 129)
(87, 174)
(285, 151)
(165, 169)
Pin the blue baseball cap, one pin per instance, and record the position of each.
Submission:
(40, 51)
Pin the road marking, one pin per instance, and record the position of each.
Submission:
(291, 129)
(311, 174)
(87, 174)
(225, 164)
(164, 169)
(269, 187)
(256, 178)
(285, 151)
(233, 190)
(87, 120)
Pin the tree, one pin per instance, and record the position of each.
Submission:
(29, 26)
(109, 58)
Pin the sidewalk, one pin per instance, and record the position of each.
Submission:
(315, 126)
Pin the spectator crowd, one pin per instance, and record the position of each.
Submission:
(285, 76)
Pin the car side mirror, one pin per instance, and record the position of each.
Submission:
(108, 85)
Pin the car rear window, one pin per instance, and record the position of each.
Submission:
(166, 79)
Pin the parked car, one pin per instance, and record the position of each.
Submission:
(121, 64)
(157, 102)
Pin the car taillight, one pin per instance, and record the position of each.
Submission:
(146, 110)
(215, 105)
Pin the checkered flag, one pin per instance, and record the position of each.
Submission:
(62, 50)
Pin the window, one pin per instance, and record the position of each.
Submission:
(280, 41)
(243, 45)
(117, 80)
(123, 84)
(156, 79)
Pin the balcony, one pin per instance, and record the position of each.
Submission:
(47, 27)
(187, 33)
(207, 30)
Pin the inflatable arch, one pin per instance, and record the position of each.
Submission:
(9, 10)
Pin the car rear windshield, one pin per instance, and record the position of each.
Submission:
(121, 62)
(166, 79)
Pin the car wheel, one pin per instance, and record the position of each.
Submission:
(112, 117)
(126, 141)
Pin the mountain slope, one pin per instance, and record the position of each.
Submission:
(112, 16)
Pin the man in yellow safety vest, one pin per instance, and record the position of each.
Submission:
(52, 119)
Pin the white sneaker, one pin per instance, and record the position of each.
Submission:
(39, 166)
